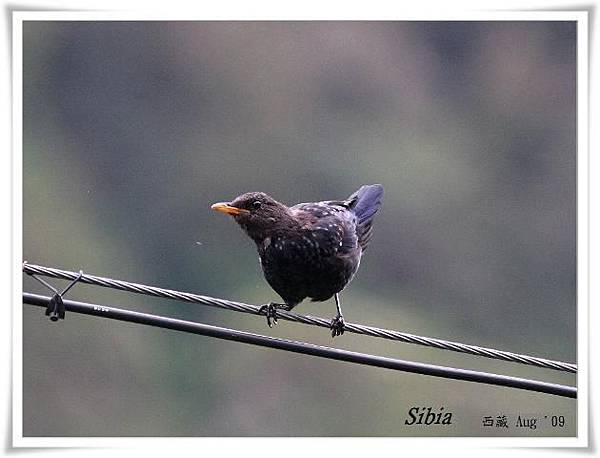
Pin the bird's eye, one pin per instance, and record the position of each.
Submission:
(256, 204)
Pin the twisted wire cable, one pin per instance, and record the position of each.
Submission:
(32, 269)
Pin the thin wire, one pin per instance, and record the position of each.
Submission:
(306, 348)
(45, 283)
(305, 319)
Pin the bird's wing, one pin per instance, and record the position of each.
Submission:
(319, 209)
(332, 228)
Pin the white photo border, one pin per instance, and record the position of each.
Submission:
(580, 17)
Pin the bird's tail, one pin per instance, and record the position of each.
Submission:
(364, 203)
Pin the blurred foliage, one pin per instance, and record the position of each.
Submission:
(132, 129)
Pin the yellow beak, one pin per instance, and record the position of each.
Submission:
(224, 207)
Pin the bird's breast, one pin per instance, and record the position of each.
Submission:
(302, 266)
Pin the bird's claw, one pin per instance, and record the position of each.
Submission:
(338, 326)
(270, 310)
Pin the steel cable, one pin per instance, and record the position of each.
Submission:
(32, 269)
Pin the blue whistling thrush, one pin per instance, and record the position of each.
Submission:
(309, 250)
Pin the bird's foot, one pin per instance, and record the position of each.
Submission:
(338, 326)
(270, 310)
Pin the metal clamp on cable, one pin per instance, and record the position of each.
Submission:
(56, 308)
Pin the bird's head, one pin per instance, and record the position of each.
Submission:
(256, 212)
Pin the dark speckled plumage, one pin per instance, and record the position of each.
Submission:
(309, 250)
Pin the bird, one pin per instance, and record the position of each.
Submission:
(309, 250)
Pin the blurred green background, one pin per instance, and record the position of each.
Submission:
(132, 129)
